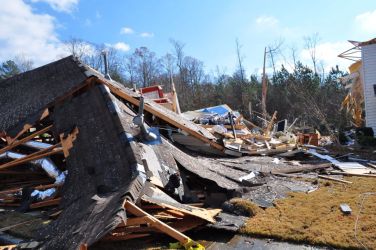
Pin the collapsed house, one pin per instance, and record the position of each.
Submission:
(65, 119)
(103, 161)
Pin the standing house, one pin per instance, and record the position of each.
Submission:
(368, 52)
(361, 82)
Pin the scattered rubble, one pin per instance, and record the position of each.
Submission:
(83, 159)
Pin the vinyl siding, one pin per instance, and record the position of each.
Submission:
(369, 76)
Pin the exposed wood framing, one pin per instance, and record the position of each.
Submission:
(150, 109)
(34, 156)
(16, 143)
(40, 187)
(26, 127)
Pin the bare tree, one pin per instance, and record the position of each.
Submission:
(23, 63)
(147, 65)
(310, 44)
(79, 48)
(240, 60)
(273, 51)
(293, 50)
(194, 68)
(130, 68)
(179, 53)
(168, 62)
(87, 52)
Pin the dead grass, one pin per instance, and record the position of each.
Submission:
(250, 208)
(315, 218)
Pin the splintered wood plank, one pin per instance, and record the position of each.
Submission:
(163, 227)
(67, 141)
(187, 224)
(333, 179)
(83, 247)
(133, 221)
(205, 214)
(270, 125)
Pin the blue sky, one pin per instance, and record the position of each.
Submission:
(36, 29)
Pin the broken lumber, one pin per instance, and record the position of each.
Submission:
(167, 116)
(34, 156)
(26, 127)
(15, 143)
(333, 179)
(47, 203)
(270, 125)
(163, 227)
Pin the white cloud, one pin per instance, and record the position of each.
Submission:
(126, 30)
(121, 46)
(367, 22)
(146, 34)
(60, 5)
(27, 33)
(268, 21)
(327, 55)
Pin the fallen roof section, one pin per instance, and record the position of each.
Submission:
(28, 93)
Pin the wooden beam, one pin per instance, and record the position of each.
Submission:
(133, 221)
(34, 156)
(40, 187)
(333, 179)
(26, 127)
(158, 114)
(23, 140)
(47, 203)
(161, 226)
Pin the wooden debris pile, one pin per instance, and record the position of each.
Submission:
(240, 136)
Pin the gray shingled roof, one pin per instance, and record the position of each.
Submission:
(26, 94)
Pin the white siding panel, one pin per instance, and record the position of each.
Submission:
(369, 77)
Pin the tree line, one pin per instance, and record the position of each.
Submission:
(300, 92)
